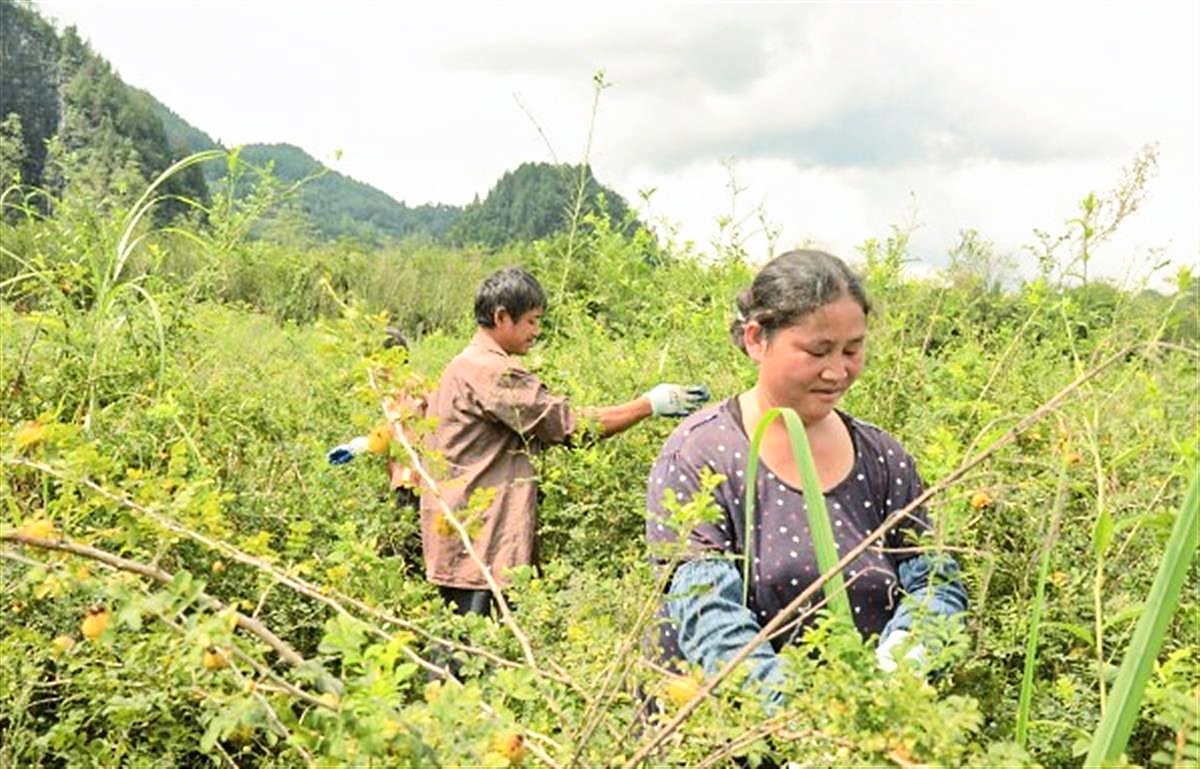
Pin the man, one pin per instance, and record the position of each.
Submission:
(491, 416)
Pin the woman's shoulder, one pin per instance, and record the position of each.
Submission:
(698, 433)
(872, 439)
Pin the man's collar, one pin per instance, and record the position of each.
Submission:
(483, 340)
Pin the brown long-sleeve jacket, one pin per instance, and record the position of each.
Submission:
(491, 416)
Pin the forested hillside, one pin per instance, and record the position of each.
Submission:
(68, 118)
(538, 199)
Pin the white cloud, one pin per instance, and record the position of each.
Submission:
(843, 118)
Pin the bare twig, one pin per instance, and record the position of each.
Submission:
(250, 625)
(774, 726)
(297, 584)
(594, 715)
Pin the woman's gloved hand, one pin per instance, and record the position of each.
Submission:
(672, 400)
(885, 653)
(340, 455)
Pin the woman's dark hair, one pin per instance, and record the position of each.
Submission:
(791, 286)
(511, 289)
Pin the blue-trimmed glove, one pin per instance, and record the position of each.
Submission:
(672, 400)
(340, 455)
(885, 653)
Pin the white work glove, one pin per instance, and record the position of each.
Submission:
(340, 455)
(672, 400)
(885, 653)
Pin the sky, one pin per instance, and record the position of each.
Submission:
(834, 123)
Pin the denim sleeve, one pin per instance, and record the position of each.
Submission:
(705, 602)
(932, 584)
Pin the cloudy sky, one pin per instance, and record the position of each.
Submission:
(837, 121)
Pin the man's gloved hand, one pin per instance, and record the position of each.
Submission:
(885, 653)
(340, 455)
(672, 400)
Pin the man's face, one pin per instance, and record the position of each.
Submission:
(515, 337)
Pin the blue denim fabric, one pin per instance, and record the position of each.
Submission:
(705, 604)
(713, 625)
(932, 584)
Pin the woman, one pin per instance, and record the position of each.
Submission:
(803, 322)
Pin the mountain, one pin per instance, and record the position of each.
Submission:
(336, 205)
(68, 122)
(536, 200)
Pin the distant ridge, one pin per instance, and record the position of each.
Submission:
(62, 106)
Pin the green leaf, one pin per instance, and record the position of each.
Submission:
(814, 504)
(1116, 723)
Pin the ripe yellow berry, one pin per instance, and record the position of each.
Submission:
(1073, 458)
(511, 745)
(63, 643)
(442, 525)
(681, 689)
(42, 528)
(215, 658)
(95, 621)
(218, 567)
(980, 500)
(379, 438)
(30, 434)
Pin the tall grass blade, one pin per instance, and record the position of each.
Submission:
(146, 202)
(814, 503)
(1039, 604)
(1112, 733)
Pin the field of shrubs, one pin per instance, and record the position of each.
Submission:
(187, 582)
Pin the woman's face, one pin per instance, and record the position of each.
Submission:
(810, 364)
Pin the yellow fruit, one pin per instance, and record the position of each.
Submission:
(30, 434)
(511, 745)
(681, 689)
(95, 621)
(379, 438)
(1073, 458)
(215, 658)
(42, 528)
(218, 567)
(442, 525)
(63, 643)
(980, 500)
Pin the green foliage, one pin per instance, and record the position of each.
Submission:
(337, 206)
(28, 83)
(79, 123)
(532, 202)
(169, 394)
(1111, 735)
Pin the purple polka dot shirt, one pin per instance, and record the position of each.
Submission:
(882, 480)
